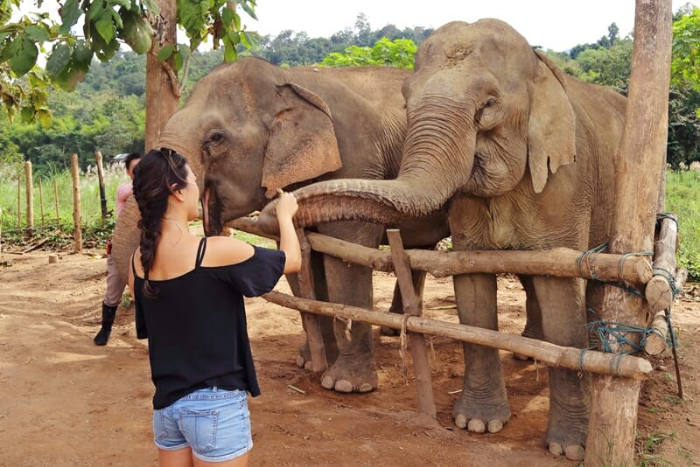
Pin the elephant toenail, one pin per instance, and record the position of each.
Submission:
(308, 366)
(327, 382)
(343, 386)
(366, 387)
(476, 426)
(556, 449)
(461, 421)
(300, 361)
(495, 426)
(574, 452)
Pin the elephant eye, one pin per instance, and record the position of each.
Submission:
(215, 137)
(489, 103)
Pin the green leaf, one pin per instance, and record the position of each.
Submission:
(59, 59)
(185, 50)
(234, 37)
(177, 61)
(105, 27)
(166, 52)
(227, 16)
(230, 54)
(70, 12)
(82, 53)
(25, 53)
(37, 33)
(236, 21)
(249, 9)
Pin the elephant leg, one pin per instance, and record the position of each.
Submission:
(353, 370)
(418, 278)
(349, 284)
(563, 302)
(483, 405)
(303, 359)
(533, 314)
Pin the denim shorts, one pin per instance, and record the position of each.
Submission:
(213, 422)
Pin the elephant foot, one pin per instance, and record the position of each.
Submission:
(345, 377)
(566, 436)
(480, 417)
(303, 360)
(573, 452)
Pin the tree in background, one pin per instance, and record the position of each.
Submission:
(107, 24)
(398, 53)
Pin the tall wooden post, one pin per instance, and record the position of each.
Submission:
(29, 185)
(55, 197)
(77, 233)
(41, 204)
(101, 178)
(613, 420)
(19, 201)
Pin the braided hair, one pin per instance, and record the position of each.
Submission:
(160, 173)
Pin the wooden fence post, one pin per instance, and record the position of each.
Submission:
(101, 178)
(411, 306)
(29, 184)
(613, 420)
(19, 202)
(55, 197)
(41, 204)
(0, 230)
(77, 233)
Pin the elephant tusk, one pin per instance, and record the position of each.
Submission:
(205, 209)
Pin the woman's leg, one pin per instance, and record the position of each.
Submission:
(179, 458)
(240, 461)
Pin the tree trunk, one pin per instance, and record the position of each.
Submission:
(613, 421)
(162, 94)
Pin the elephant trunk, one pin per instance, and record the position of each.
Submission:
(437, 162)
(179, 136)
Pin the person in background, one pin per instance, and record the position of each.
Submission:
(115, 284)
(189, 294)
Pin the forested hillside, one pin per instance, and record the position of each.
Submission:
(106, 111)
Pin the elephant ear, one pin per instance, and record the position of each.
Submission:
(302, 142)
(552, 124)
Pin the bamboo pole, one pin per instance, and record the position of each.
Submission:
(101, 178)
(77, 233)
(29, 186)
(558, 262)
(659, 291)
(412, 307)
(41, 204)
(312, 325)
(613, 418)
(550, 354)
(0, 230)
(55, 197)
(19, 202)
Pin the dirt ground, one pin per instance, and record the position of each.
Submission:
(66, 402)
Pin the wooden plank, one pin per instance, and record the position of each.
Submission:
(545, 352)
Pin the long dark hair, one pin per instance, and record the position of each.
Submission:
(159, 173)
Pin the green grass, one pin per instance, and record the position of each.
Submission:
(683, 200)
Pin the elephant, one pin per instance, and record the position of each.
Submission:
(250, 128)
(522, 156)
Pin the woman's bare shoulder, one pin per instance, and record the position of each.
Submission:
(222, 251)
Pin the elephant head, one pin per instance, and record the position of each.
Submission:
(247, 130)
(485, 113)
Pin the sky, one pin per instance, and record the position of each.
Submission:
(552, 24)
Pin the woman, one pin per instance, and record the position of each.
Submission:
(189, 303)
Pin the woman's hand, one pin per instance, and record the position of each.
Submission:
(286, 206)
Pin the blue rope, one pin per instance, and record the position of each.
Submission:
(586, 255)
(662, 215)
(666, 274)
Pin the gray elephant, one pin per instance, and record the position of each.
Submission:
(250, 128)
(523, 155)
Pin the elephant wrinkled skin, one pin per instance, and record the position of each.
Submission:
(250, 128)
(523, 155)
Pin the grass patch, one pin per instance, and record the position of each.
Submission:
(683, 200)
